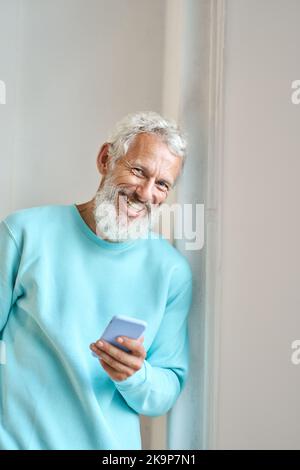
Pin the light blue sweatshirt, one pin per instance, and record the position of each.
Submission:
(60, 285)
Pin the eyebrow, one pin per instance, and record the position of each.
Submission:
(164, 180)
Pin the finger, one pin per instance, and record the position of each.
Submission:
(135, 346)
(116, 355)
(117, 366)
(120, 355)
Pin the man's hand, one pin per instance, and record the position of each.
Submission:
(118, 363)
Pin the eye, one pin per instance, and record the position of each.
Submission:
(163, 185)
(137, 171)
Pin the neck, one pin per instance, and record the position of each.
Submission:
(86, 212)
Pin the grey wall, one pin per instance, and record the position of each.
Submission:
(258, 385)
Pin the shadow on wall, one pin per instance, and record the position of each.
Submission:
(154, 432)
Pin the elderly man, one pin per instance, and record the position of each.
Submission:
(65, 271)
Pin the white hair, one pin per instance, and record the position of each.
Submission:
(146, 122)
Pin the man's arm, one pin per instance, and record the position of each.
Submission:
(153, 389)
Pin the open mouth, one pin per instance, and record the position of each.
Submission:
(137, 207)
(132, 208)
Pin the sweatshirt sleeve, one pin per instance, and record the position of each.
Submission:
(9, 264)
(154, 389)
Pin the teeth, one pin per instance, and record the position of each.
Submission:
(136, 207)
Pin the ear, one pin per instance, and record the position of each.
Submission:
(103, 159)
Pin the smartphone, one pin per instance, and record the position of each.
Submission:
(121, 325)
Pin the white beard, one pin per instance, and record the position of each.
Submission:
(116, 227)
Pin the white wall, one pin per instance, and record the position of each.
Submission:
(8, 74)
(187, 97)
(75, 67)
(258, 386)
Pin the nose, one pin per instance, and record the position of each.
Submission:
(145, 192)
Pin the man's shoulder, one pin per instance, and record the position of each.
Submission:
(169, 256)
(32, 217)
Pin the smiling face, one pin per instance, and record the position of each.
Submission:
(137, 184)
